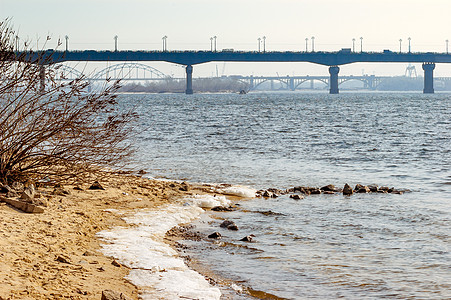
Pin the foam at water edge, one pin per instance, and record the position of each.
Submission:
(157, 269)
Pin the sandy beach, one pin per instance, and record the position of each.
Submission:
(56, 254)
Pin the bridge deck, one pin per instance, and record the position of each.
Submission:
(198, 57)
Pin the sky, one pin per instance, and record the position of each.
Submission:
(189, 24)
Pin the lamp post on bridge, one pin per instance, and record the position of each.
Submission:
(165, 43)
(353, 45)
(259, 42)
(313, 44)
(67, 42)
(400, 45)
(115, 43)
(447, 41)
(264, 44)
(409, 39)
(306, 44)
(17, 43)
(361, 44)
(211, 44)
(215, 37)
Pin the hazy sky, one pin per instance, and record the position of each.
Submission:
(189, 24)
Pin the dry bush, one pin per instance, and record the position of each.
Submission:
(61, 130)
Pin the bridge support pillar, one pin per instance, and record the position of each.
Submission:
(189, 80)
(292, 83)
(333, 81)
(41, 79)
(251, 85)
(428, 78)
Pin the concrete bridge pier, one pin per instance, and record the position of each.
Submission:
(189, 80)
(291, 85)
(333, 82)
(428, 78)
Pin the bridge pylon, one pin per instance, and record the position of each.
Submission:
(428, 78)
(189, 80)
(333, 82)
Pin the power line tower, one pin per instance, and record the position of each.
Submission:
(411, 71)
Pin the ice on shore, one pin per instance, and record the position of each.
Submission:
(208, 201)
(240, 191)
(157, 269)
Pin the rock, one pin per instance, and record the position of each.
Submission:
(116, 264)
(4, 188)
(364, 189)
(329, 188)
(248, 238)
(222, 208)
(296, 197)
(17, 186)
(81, 292)
(63, 259)
(276, 192)
(267, 194)
(89, 253)
(301, 189)
(60, 191)
(77, 188)
(41, 202)
(315, 191)
(347, 190)
(229, 225)
(96, 186)
(142, 172)
(383, 189)
(232, 227)
(112, 295)
(184, 187)
(290, 190)
(269, 213)
(215, 235)
(28, 194)
(10, 192)
(373, 188)
(23, 206)
(397, 192)
(357, 187)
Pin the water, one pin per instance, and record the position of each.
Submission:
(325, 246)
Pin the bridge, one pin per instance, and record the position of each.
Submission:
(142, 72)
(190, 58)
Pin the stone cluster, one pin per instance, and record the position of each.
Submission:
(27, 198)
(298, 192)
(24, 198)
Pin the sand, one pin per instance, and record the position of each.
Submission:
(56, 254)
